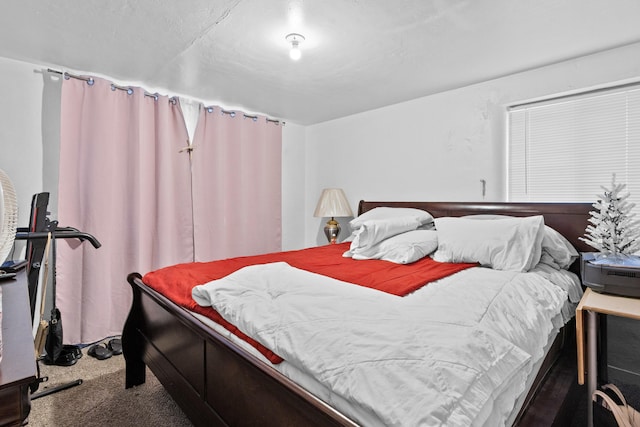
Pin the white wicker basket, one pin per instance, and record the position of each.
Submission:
(8, 215)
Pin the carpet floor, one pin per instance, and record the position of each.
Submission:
(101, 399)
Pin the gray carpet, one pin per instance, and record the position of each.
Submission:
(102, 399)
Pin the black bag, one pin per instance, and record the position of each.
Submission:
(53, 345)
(610, 409)
(57, 353)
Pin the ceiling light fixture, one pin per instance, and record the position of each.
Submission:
(295, 40)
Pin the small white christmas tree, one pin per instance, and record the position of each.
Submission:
(613, 231)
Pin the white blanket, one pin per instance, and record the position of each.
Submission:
(441, 360)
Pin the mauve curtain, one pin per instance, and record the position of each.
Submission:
(237, 189)
(124, 179)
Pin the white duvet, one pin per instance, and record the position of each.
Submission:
(442, 356)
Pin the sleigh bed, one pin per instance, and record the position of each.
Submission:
(218, 379)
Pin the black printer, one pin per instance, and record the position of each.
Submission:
(612, 279)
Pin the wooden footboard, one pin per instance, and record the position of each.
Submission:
(215, 382)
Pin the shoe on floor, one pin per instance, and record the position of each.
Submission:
(115, 345)
(100, 351)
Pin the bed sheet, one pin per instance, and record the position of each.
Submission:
(525, 309)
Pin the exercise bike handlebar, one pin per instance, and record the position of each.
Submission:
(59, 233)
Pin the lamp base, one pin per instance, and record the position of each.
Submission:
(331, 230)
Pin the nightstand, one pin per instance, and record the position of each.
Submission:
(588, 334)
(18, 364)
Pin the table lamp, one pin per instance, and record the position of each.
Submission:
(333, 203)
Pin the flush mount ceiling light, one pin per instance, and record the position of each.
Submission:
(295, 40)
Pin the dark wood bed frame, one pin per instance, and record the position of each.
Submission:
(217, 383)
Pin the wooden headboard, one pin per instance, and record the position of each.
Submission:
(569, 219)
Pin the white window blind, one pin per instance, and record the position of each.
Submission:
(565, 149)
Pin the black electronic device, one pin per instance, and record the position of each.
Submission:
(611, 279)
(13, 266)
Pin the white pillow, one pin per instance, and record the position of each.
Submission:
(423, 217)
(373, 231)
(403, 248)
(513, 244)
(557, 251)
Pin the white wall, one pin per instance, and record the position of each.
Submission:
(21, 146)
(439, 147)
(432, 148)
(293, 186)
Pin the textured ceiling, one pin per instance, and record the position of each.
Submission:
(358, 54)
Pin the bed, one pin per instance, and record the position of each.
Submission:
(219, 380)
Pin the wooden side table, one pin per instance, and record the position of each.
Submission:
(594, 303)
(18, 364)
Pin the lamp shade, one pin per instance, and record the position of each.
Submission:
(332, 203)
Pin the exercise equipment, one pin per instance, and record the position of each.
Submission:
(41, 229)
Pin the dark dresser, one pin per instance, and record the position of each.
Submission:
(18, 364)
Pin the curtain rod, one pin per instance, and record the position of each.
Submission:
(253, 117)
(114, 86)
(172, 99)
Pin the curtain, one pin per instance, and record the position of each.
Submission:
(124, 179)
(237, 189)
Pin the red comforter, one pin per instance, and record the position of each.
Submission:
(176, 282)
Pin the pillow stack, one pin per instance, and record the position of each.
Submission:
(405, 235)
(400, 235)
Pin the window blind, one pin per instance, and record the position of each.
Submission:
(566, 149)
